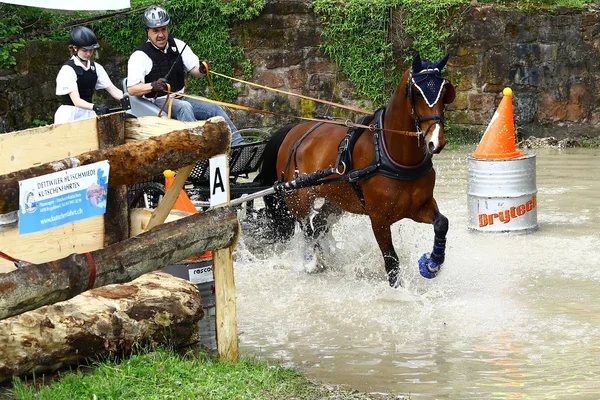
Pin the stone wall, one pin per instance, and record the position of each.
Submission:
(550, 60)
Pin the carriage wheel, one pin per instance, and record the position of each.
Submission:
(148, 196)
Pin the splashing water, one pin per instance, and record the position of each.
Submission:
(509, 316)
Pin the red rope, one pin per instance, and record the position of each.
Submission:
(18, 263)
(92, 264)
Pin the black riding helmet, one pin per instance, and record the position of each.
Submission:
(84, 37)
(155, 17)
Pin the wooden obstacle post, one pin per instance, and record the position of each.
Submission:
(164, 208)
(111, 132)
(225, 305)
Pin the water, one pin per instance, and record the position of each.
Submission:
(509, 316)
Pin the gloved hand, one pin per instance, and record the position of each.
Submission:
(159, 85)
(101, 109)
(125, 103)
(202, 67)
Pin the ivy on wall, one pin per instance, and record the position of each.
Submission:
(203, 24)
(356, 34)
(15, 20)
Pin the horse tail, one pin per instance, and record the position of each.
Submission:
(281, 222)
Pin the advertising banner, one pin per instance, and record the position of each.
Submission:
(55, 199)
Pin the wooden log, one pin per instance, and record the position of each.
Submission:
(34, 286)
(154, 309)
(141, 216)
(143, 128)
(111, 132)
(135, 161)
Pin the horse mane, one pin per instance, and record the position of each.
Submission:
(268, 170)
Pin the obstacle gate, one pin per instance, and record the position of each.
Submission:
(105, 249)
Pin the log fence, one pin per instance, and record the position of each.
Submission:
(58, 272)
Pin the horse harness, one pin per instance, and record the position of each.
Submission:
(429, 82)
(382, 163)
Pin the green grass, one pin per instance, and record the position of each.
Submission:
(163, 374)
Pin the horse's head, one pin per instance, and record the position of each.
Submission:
(428, 93)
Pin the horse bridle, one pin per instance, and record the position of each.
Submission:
(435, 118)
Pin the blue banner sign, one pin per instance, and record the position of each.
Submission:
(55, 199)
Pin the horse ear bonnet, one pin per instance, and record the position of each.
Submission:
(450, 93)
(427, 78)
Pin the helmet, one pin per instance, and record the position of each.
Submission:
(155, 17)
(84, 37)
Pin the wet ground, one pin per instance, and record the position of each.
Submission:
(509, 316)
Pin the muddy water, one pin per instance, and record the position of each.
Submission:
(509, 317)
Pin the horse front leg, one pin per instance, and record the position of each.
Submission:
(383, 235)
(430, 263)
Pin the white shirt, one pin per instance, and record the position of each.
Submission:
(140, 65)
(66, 80)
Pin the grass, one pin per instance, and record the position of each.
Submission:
(164, 374)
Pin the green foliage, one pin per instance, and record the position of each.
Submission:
(357, 38)
(247, 69)
(536, 4)
(203, 24)
(356, 35)
(244, 10)
(39, 122)
(16, 20)
(427, 22)
(9, 25)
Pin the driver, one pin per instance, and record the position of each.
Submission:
(163, 59)
(79, 77)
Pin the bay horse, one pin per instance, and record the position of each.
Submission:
(385, 172)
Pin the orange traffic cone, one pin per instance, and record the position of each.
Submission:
(183, 203)
(498, 141)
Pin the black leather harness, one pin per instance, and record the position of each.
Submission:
(382, 163)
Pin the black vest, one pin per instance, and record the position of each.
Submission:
(161, 65)
(86, 82)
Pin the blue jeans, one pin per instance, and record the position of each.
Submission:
(194, 110)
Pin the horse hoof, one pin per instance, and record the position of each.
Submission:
(395, 281)
(397, 284)
(427, 267)
(310, 263)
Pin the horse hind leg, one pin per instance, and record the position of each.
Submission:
(430, 263)
(383, 235)
(315, 226)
